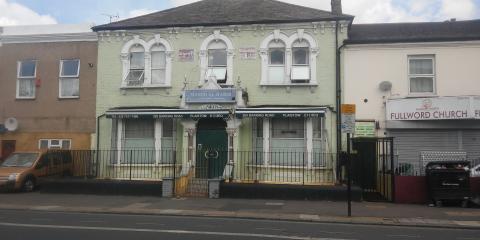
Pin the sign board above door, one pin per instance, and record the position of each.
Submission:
(227, 95)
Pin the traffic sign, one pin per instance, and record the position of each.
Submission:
(348, 118)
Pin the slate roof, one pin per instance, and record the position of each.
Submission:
(225, 12)
(414, 32)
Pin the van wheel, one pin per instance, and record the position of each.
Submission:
(28, 185)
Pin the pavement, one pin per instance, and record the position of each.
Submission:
(368, 213)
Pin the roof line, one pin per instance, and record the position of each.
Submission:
(417, 40)
(104, 27)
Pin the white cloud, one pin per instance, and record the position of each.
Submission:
(17, 14)
(391, 10)
(461, 9)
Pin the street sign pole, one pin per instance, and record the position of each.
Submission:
(349, 179)
(348, 127)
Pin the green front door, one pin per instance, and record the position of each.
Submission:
(212, 151)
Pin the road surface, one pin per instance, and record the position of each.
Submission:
(19, 225)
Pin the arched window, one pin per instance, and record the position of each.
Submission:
(300, 72)
(217, 61)
(158, 64)
(147, 64)
(296, 55)
(276, 62)
(136, 72)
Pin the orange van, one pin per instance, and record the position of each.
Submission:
(22, 170)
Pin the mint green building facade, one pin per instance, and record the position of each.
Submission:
(247, 97)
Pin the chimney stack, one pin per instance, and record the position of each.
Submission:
(337, 7)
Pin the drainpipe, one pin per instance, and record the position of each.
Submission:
(339, 92)
(97, 158)
(98, 131)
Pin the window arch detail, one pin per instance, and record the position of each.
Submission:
(160, 63)
(213, 51)
(301, 53)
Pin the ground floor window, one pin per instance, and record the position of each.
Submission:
(144, 141)
(289, 142)
(54, 144)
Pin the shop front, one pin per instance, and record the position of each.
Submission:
(214, 135)
(434, 129)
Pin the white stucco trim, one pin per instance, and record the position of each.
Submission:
(216, 36)
(309, 141)
(158, 140)
(120, 137)
(266, 141)
(147, 46)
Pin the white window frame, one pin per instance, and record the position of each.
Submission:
(283, 66)
(216, 36)
(51, 146)
(307, 65)
(142, 76)
(147, 46)
(212, 67)
(61, 77)
(433, 75)
(164, 67)
(158, 136)
(299, 35)
(308, 138)
(19, 78)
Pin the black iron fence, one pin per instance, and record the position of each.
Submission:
(287, 167)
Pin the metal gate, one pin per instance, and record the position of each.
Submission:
(372, 168)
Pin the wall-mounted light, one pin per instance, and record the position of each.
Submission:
(90, 65)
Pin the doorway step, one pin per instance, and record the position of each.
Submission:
(197, 187)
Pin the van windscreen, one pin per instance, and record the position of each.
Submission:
(20, 160)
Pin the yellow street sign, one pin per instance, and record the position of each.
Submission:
(348, 108)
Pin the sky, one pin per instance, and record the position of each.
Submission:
(32, 12)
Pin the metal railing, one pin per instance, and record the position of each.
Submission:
(288, 167)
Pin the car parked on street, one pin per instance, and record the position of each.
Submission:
(21, 171)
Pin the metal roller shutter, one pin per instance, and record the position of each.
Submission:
(410, 143)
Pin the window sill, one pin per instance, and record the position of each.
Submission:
(25, 98)
(288, 167)
(68, 98)
(421, 95)
(145, 86)
(289, 84)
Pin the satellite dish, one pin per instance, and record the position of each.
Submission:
(11, 124)
(385, 86)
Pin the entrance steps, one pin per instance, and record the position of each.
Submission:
(197, 187)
